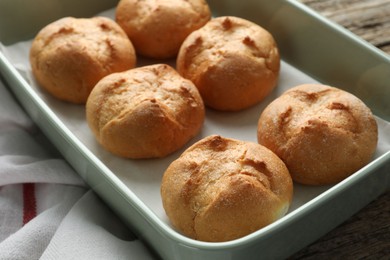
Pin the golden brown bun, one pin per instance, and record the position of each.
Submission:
(323, 134)
(69, 56)
(221, 189)
(158, 28)
(145, 112)
(233, 62)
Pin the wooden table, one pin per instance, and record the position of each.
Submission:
(366, 235)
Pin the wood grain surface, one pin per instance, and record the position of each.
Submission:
(369, 19)
(366, 235)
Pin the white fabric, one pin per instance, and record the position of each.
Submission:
(68, 220)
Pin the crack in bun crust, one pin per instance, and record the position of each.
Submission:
(221, 189)
(145, 112)
(322, 133)
(69, 56)
(233, 62)
(158, 28)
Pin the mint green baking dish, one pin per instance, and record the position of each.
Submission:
(309, 42)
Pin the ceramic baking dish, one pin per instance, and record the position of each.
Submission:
(312, 48)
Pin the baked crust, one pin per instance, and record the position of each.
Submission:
(233, 62)
(322, 133)
(69, 56)
(158, 28)
(221, 189)
(145, 112)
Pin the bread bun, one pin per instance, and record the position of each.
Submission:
(69, 56)
(158, 28)
(323, 134)
(233, 62)
(145, 112)
(221, 189)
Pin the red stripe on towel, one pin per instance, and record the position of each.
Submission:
(29, 202)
